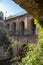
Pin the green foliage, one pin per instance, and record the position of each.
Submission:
(27, 48)
(4, 43)
(41, 23)
(35, 55)
(1, 15)
(36, 21)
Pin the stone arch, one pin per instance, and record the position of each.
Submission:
(33, 26)
(14, 28)
(8, 26)
(22, 27)
(21, 51)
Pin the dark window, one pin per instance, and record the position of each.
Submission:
(14, 28)
(33, 27)
(22, 27)
(7, 26)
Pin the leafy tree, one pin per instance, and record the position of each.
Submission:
(35, 56)
(1, 15)
(4, 43)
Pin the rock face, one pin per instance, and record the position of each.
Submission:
(34, 7)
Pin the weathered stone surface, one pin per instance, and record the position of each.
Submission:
(34, 7)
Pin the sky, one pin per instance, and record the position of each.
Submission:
(10, 8)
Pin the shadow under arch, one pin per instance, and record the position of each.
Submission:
(14, 28)
(22, 27)
(22, 51)
(33, 26)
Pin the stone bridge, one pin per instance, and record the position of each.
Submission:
(21, 25)
(22, 30)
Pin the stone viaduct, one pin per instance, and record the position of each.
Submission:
(23, 30)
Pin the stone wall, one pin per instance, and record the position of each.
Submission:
(26, 18)
(27, 37)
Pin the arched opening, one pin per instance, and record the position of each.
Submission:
(14, 28)
(7, 26)
(22, 27)
(22, 50)
(33, 27)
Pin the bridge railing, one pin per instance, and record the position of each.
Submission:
(22, 33)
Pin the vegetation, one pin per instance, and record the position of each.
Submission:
(1, 15)
(4, 43)
(34, 55)
(34, 7)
